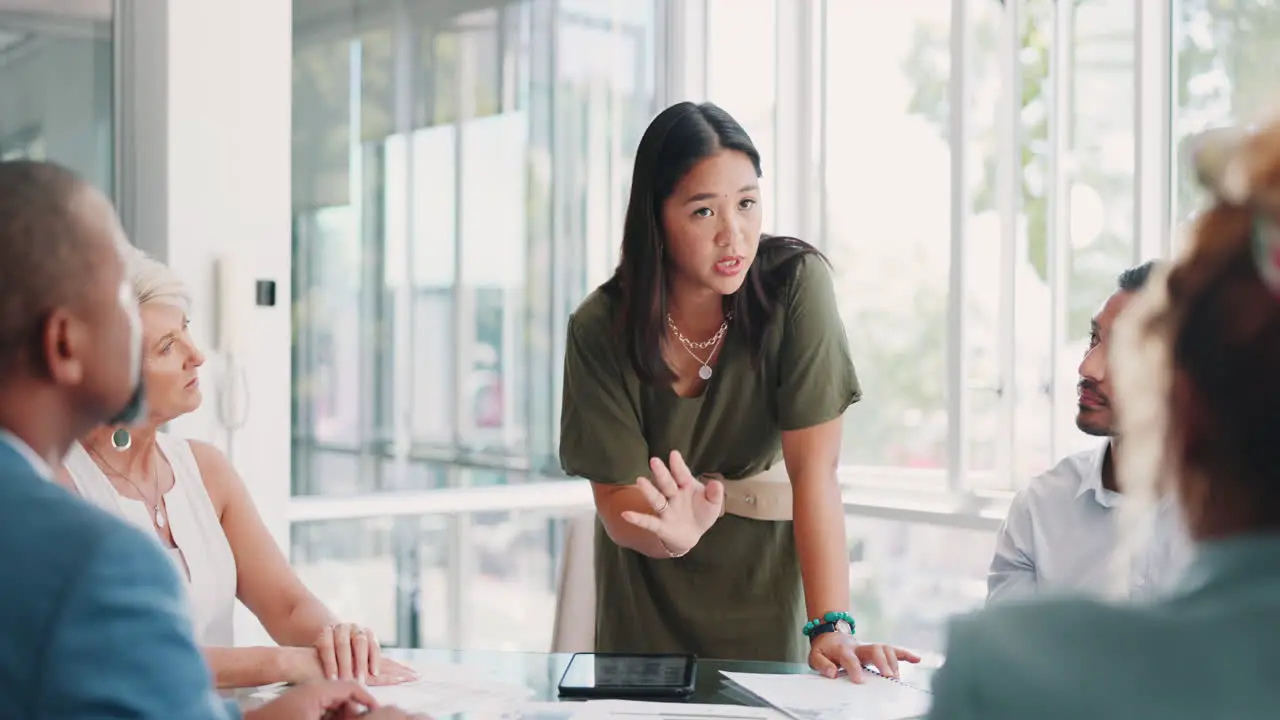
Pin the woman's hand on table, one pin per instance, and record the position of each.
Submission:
(348, 652)
(303, 665)
(345, 652)
(835, 651)
(391, 672)
(684, 508)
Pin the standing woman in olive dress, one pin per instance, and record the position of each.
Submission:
(721, 352)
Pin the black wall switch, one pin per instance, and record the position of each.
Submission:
(265, 293)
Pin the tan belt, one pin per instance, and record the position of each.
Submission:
(764, 496)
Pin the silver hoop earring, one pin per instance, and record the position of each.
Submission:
(121, 440)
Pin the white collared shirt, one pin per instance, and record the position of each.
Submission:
(1060, 536)
(37, 463)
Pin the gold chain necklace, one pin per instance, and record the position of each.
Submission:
(157, 513)
(705, 372)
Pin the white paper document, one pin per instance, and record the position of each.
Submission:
(625, 710)
(444, 697)
(639, 710)
(813, 697)
(531, 711)
(444, 689)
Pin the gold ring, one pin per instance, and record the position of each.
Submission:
(665, 504)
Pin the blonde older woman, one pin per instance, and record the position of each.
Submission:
(190, 496)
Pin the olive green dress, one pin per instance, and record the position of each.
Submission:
(737, 594)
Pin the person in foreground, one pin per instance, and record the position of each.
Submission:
(1060, 530)
(192, 499)
(92, 615)
(714, 352)
(1196, 360)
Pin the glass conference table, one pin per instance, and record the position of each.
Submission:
(541, 672)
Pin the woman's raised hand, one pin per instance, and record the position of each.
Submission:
(683, 507)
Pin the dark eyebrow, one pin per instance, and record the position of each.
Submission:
(711, 196)
(1094, 327)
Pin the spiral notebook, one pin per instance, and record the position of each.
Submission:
(813, 697)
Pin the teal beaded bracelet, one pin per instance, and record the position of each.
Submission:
(830, 617)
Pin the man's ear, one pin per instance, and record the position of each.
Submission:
(61, 348)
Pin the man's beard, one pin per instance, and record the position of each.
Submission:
(1095, 429)
(135, 409)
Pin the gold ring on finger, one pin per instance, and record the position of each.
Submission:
(665, 504)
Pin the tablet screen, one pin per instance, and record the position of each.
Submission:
(605, 672)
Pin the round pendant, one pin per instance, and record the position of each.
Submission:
(160, 521)
(704, 372)
(121, 439)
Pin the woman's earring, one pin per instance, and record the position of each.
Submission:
(121, 440)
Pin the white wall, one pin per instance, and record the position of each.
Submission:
(205, 159)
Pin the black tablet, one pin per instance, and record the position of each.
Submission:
(621, 675)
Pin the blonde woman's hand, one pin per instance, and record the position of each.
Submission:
(684, 508)
(303, 665)
(351, 652)
(391, 672)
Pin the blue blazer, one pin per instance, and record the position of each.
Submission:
(92, 620)
(1210, 650)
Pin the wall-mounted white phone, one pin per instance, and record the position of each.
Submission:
(230, 291)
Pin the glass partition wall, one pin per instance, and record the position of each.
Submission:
(57, 86)
(977, 171)
(460, 176)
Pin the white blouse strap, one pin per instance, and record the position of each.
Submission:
(178, 451)
(91, 482)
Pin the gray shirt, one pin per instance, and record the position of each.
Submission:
(1207, 651)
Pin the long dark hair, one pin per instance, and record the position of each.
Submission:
(677, 139)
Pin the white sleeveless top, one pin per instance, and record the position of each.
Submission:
(202, 551)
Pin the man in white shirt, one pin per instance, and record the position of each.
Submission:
(1060, 533)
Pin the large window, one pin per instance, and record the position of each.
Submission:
(1226, 64)
(974, 239)
(886, 189)
(460, 176)
(460, 180)
(57, 88)
(742, 62)
(399, 576)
